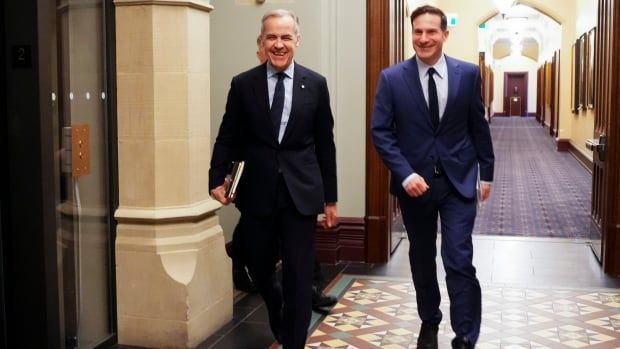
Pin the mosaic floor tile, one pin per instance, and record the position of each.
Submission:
(566, 308)
(332, 344)
(353, 320)
(607, 299)
(369, 296)
(404, 311)
(611, 323)
(390, 339)
(375, 312)
(574, 336)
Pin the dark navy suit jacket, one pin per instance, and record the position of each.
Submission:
(306, 156)
(404, 136)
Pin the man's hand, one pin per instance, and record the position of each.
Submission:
(416, 187)
(219, 193)
(331, 216)
(485, 191)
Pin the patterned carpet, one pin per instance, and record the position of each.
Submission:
(537, 191)
(381, 313)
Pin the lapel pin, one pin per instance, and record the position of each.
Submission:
(303, 86)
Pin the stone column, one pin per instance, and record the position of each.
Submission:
(173, 277)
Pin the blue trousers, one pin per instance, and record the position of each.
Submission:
(457, 215)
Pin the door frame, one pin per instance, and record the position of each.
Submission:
(384, 46)
(29, 218)
(29, 227)
(3, 154)
(507, 75)
(606, 173)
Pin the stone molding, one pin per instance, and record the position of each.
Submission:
(202, 5)
(192, 212)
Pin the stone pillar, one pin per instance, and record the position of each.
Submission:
(173, 277)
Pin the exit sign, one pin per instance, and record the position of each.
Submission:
(453, 19)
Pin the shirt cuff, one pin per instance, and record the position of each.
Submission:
(409, 179)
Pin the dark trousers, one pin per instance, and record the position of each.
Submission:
(290, 308)
(239, 261)
(457, 215)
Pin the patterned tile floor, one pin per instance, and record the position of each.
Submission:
(381, 312)
(537, 293)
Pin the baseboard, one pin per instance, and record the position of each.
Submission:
(566, 145)
(345, 242)
(563, 144)
(531, 114)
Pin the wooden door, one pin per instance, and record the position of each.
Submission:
(555, 95)
(606, 141)
(515, 106)
(515, 85)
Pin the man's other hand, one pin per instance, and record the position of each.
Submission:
(219, 193)
(331, 216)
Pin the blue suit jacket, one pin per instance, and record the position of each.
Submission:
(306, 157)
(404, 136)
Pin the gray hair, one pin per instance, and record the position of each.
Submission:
(280, 13)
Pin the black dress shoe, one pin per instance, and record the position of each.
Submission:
(322, 302)
(461, 343)
(242, 281)
(427, 338)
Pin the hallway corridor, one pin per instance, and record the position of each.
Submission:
(539, 291)
(538, 191)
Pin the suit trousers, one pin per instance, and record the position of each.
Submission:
(457, 215)
(289, 308)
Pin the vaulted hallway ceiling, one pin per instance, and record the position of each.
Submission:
(520, 30)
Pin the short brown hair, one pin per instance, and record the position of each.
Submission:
(431, 10)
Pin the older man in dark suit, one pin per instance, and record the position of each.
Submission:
(428, 125)
(279, 121)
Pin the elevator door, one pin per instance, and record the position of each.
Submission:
(80, 105)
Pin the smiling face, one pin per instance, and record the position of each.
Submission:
(428, 37)
(279, 41)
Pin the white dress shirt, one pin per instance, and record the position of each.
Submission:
(272, 80)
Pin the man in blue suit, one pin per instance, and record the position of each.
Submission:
(279, 121)
(428, 126)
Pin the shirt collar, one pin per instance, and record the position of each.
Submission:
(440, 67)
(288, 71)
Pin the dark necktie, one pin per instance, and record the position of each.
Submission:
(433, 102)
(277, 104)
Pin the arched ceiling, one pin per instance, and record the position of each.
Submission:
(523, 26)
(501, 48)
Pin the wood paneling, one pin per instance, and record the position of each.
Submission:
(384, 46)
(344, 243)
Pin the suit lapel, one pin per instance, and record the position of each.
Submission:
(454, 82)
(298, 90)
(412, 79)
(261, 92)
